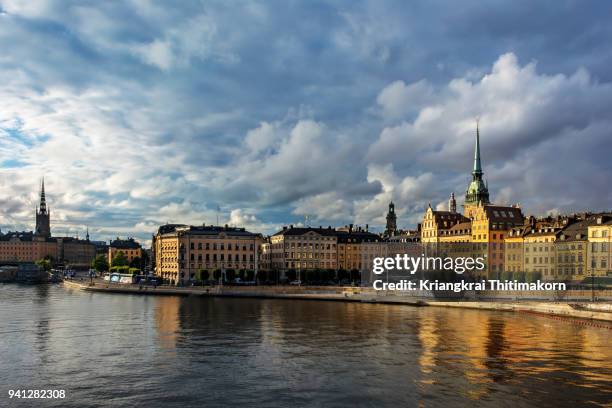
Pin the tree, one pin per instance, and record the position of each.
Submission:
(230, 275)
(291, 274)
(242, 274)
(136, 263)
(44, 264)
(100, 263)
(119, 259)
(217, 274)
(203, 274)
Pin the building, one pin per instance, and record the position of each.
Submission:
(183, 253)
(514, 250)
(599, 235)
(302, 248)
(357, 248)
(490, 226)
(539, 254)
(129, 247)
(435, 224)
(571, 249)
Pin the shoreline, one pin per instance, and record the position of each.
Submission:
(356, 294)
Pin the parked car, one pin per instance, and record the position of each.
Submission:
(295, 282)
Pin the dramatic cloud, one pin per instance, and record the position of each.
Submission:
(143, 112)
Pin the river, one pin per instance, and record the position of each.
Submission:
(129, 350)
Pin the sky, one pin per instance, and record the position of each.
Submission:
(263, 113)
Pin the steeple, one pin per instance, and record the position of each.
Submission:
(42, 208)
(477, 166)
(452, 203)
(391, 221)
(43, 225)
(477, 191)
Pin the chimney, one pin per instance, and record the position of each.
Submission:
(350, 227)
(367, 227)
(291, 226)
(284, 228)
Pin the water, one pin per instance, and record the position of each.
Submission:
(123, 350)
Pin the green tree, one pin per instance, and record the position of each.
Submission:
(134, 271)
(136, 263)
(203, 275)
(230, 275)
(217, 274)
(291, 274)
(119, 259)
(44, 264)
(242, 274)
(100, 263)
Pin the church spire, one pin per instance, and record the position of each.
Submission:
(477, 191)
(477, 165)
(43, 202)
(43, 227)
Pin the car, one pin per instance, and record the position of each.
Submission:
(295, 282)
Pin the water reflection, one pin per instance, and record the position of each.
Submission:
(182, 351)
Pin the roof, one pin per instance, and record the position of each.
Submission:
(329, 231)
(357, 236)
(203, 230)
(125, 244)
(499, 213)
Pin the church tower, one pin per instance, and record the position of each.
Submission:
(391, 221)
(452, 203)
(43, 226)
(477, 192)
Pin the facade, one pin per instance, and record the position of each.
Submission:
(514, 250)
(183, 252)
(539, 252)
(436, 223)
(129, 247)
(304, 248)
(357, 248)
(599, 236)
(490, 225)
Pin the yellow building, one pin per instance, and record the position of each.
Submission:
(600, 246)
(490, 226)
(514, 250)
(183, 253)
(357, 248)
(539, 254)
(304, 248)
(129, 247)
(571, 249)
(435, 224)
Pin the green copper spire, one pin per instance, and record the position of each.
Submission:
(477, 166)
(477, 191)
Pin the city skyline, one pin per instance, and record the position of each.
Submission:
(388, 117)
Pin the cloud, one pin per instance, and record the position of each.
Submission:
(138, 114)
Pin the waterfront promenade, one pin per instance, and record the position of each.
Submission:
(600, 311)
